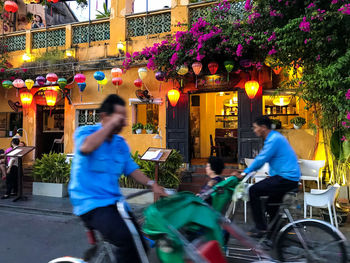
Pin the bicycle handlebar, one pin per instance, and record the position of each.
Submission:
(138, 194)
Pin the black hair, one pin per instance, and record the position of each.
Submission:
(15, 141)
(216, 164)
(263, 121)
(2, 151)
(108, 104)
(41, 20)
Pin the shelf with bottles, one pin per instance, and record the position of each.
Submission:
(273, 110)
(226, 118)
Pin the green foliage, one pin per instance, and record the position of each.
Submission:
(277, 122)
(52, 168)
(105, 14)
(150, 126)
(298, 121)
(137, 126)
(169, 173)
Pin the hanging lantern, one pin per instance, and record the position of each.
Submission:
(182, 70)
(40, 80)
(81, 86)
(117, 81)
(197, 68)
(7, 84)
(213, 67)
(79, 78)
(251, 88)
(52, 77)
(142, 73)
(277, 70)
(160, 76)
(104, 82)
(173, 96)
(18, 84)
(99, 76)
(62, 83)
(51, 96)
(281, 100)
(138, 83)
(27, 2)
(26, 98)
(116, 72)
(29, 83)
(229, 65)
(245, 63)
(10, 6)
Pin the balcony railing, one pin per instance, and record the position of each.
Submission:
(95, 31)
(148, 24)
(15, 41)
(49, 38)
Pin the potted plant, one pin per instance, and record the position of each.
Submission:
(137, 128)
(298, 122)
(276, 124)
(51, 175)
(150, 128)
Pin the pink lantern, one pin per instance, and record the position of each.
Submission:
(197, 68)
(117, 81)
(18, 84)
(116, 72)
(80, 78)
(52, 77)
(138, 83)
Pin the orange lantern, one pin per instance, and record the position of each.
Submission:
(173, 96)
(251, 88)
(10, 7)
(277, 70)
(51, 96)
(26, 98)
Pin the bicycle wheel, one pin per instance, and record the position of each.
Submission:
(324, 243)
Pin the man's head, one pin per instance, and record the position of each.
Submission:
(262, 126)
(111, 106)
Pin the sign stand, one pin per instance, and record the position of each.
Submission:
(156, 155)
(19, 153)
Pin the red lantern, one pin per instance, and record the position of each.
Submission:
(55, 1)
(26, 98)
(117, 81)
(138, 83)
(80, 78)
(251, 88)
(213, 67)
(52, 77)
(51, 96)
(277, 70)
(10, 6)
(173, 96)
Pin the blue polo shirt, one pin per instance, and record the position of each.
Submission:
(280, 156)
(94, 177)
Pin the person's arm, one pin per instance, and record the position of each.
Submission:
(93, 141)
(12, 160)
(264, 156)
(141, 178)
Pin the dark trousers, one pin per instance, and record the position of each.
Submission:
(12, 180)
(111, 225)
(275, 187)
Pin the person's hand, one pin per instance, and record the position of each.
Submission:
(159, 190)
(3, 178)
(8, 170)
(237, 174)
(116, 120)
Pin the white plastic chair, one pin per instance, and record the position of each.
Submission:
(310, 171)
(322, 199)
(262, 173)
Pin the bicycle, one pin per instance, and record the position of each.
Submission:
(304, 239)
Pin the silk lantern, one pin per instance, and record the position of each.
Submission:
(197, 68)
(80, 78)
(26, 98)
(18, 84)
(251, 88)
(50, 96)
(138, 83)
(29, 83)
(117, 82)
(10, 6)
(99, 76)
(182, 70)
(81, 86)
(7, 84)
(160, 76)
(142, 73)
(52, 77)
(40, 80)
(116, 72)
(173, 96)
(229, 65)
(62, 83)
(213, 67)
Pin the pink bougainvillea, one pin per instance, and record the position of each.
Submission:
(239, 50)
(347, 95)
(345, 9)
(304, 25)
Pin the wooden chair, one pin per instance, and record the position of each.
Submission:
(214, 148)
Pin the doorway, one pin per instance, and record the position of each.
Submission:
(214, 126)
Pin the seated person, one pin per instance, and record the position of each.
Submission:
(38, 22)
(214, 168)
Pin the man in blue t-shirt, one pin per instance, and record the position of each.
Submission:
(284, 174)
(101, 156)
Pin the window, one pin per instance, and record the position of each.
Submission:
(88, 117)
(146, 113)
(10, 122)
